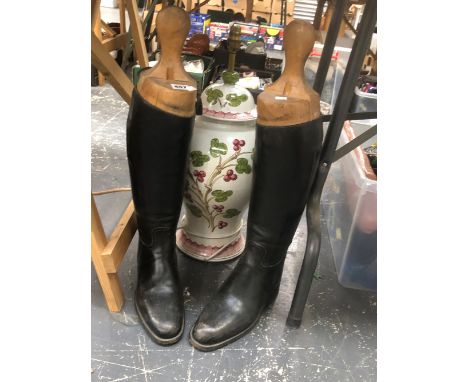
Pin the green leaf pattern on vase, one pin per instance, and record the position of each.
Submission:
(198, 158)
(217, 148)
(213, 95)
(235, 100)
(200, 193)
(243, 166)
(231, 212)
(195, 210)
(221, 196)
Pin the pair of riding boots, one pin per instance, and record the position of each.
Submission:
(284, 161)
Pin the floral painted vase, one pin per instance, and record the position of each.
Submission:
(219, 173)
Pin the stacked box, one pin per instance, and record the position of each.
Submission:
(199, 23)
(273, 36)
(218, 32)
(249, 32)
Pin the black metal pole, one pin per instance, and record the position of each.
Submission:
(311, 255)
(318, 14)
(330, 42)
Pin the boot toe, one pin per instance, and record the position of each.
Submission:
(164, 328)
(164, 325)
(205, 334)
(217, 327)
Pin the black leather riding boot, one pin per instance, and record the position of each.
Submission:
(285, 159)
(157, 147)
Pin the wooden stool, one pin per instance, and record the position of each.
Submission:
(106, 254)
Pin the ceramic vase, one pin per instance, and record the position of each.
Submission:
(219, 174)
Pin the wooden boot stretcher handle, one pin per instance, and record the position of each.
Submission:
(290, 100)
(158, 85)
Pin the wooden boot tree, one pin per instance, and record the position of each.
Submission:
(290, 100)
(167, 85)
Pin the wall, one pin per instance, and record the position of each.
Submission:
(260, 8)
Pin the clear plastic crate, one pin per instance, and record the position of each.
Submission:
(349, 201)
(363, 102)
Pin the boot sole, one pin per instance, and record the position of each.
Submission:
(155, 337)
(207, 348)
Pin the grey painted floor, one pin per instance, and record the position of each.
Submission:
(336, 342)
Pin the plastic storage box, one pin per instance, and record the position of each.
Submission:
(363, 102)
(349, 201)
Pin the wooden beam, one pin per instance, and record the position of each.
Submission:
(107, 29)
(114, 252)
(351, 27)
(123, 27)
(103, 61)
(115, 43)
(188, 5)
(95, 13)
(137, 33)
(96, 27)
(110, 282)
(248, 12)
(197, 7)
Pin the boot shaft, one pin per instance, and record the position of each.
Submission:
(157, 148)
(284, 163)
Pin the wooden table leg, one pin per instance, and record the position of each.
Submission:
(110, 282)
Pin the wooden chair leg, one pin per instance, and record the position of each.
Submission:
(110, 282)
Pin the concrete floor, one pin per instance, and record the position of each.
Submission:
(337, 339)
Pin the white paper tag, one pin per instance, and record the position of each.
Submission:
(281, 98)
(183, 87)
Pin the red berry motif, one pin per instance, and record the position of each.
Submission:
(222, 224)
(218, 207)
(200, 175)
(237, 144)
(230, 175)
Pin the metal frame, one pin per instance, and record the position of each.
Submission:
(329, 153)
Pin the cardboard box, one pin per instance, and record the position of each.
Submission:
(217, 32)
(199, 23)
(273, 36)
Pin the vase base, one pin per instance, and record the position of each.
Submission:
(210, 253)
